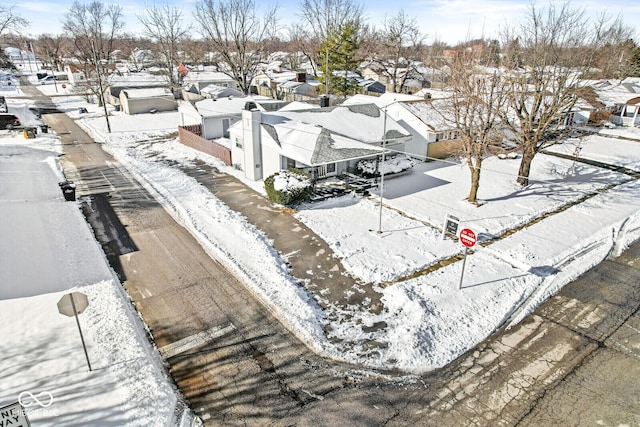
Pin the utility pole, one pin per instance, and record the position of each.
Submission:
(326, 73)
(381, 167)
(101, 96)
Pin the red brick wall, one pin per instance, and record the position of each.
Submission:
(190, 136)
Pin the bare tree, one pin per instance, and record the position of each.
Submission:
(164, 25)
(555, 47)
(323, 19)
(305, 44)
(401, 42)
(477, 97)
(236, 32)
(193, 51)
(615, 48)
(93, 28)
(10, 20)
(51, 49)
(130, 47)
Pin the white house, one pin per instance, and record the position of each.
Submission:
(629, 113)
(117, 82)
(201, 79)
(324, 141)
(215, 115)
(135, 101)
(432, 136)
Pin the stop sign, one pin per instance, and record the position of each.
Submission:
(66, 306)
(468, 237)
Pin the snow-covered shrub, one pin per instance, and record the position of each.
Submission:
(392, 164)
(289, 187)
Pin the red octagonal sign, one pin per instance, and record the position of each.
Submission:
(468, 237)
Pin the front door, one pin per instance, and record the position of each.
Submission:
(326, 170)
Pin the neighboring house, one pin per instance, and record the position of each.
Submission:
(409, 79)
(197, 80)
(285, 85)
(619, 98)
(629, 113)
(117, 82)
(74, 74)
(372, 87)
(215, 116)
(219, 92)
(324, 141)
(265, 82)
(432, 136)
(135, 101)
(296, 91)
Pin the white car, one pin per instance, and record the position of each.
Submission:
(49, 79)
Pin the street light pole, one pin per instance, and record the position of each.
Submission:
(381, 168)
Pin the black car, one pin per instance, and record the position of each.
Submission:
(9, 121)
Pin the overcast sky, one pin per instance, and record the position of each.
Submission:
(448, 21)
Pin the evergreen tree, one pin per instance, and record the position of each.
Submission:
(339, 54)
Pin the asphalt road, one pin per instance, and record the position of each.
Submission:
(573, 362)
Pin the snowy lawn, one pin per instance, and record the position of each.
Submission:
(429, 320)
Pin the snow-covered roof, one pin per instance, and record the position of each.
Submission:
(427, 112)
(152, 92)
(224, 106)
(216, 91)
(382, 100)
(297, 105)
(612, 92)
(364, 122)
(313, 145)
(136, 80)
(207, 76)
(289, 84)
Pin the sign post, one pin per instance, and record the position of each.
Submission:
(468, 240)
(71, 305)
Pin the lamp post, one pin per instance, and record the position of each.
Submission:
(381, 168)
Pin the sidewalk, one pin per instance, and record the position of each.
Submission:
(309, 257)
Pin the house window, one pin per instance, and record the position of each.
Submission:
(331, 168)
(238, 143)
(439, 136)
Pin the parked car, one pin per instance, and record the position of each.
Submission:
(50, 79)
(9, 121)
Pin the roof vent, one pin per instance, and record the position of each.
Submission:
(249, 105)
